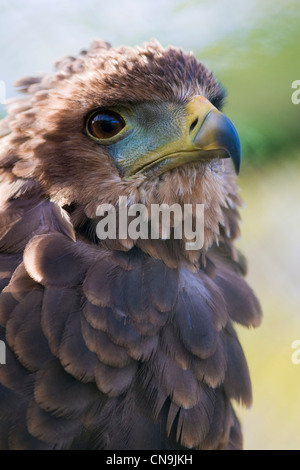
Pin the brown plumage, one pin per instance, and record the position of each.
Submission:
(115, 344)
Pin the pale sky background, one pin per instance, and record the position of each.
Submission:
(36, 32)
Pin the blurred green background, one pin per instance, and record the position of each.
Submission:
(253, 47)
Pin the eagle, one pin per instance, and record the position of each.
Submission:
(121, 343)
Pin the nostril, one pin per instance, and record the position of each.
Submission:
(194, 124)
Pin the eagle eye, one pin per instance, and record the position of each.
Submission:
(105, 124)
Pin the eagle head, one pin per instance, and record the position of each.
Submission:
(144, 123)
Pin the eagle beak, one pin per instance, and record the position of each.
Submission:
(206, 134)
(212, 132)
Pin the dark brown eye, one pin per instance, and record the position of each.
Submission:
(105, 124)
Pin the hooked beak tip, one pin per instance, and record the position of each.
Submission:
(218, 133)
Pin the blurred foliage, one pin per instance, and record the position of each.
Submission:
(258, 71)
(270, 239)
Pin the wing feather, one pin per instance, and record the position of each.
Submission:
(124, 346)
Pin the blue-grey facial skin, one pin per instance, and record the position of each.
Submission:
(149, 127)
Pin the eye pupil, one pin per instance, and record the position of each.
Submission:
(105, 124)
(108, 124)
